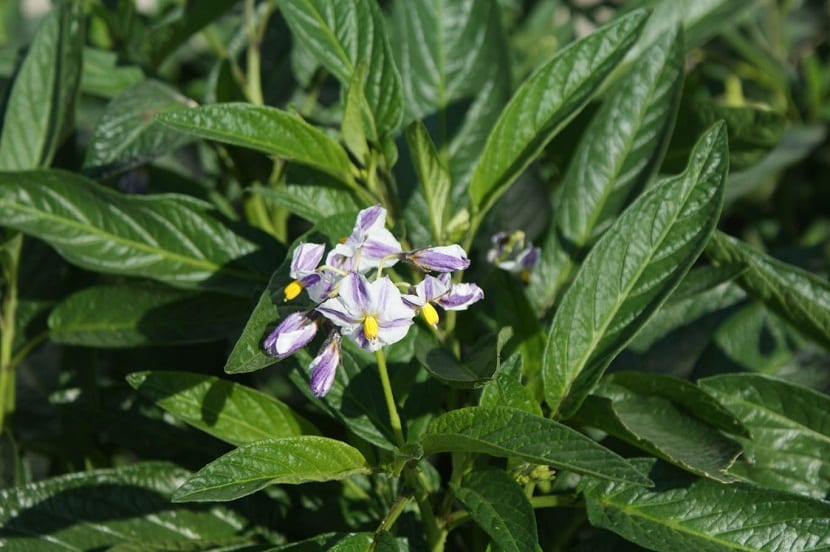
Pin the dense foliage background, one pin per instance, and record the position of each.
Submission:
(657, 378)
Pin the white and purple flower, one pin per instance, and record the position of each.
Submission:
(511, 253)
(307, 257)
(372, 314)
(292, 334)
(369, 246)
(324, 366)
(446, 258)
(442, 292)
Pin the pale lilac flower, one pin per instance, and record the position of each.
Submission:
(292, 334)
(372, 314)
(510, 253)
(446, 258)
(324, 366)
(304, 269)
(369, 244)
(442, 292)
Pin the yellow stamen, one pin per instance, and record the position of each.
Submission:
(292, 290)
(524, 276)
(430, 314)
(370, 327)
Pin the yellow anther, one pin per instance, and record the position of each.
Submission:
(430, 314)
(292, 290)
(370, 327)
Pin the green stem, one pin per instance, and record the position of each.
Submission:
(394, 419)
(394, 513)
(7, 319)
(557, 501)
(254, 81)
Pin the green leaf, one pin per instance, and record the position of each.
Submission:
(631, 271)
(432, 175)
(545, 103)
(474, 371)
(619, 152)
(506, 388)
(352, 127)
(290, 460)
(229, 411)
(99, 229)
(340, 35)
(336, 542)
(41, 106)
(658, 427)
(445, 49)
(103, 76)
(98, 509)
(706, 516)
(126, 134)
(264, 129)
(507, 432)
(500, 507)
(112, 316)
(801, 298)
(166, 37)
(790, 426)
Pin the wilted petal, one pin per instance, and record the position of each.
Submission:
(460, 296)
(445, 258)
(292, 334)
(324, 366)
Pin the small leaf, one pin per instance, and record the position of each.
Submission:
(340, 35)
(264, 129)
(228, 411)
(507, 432)
(618, 153)
(631, 271)
(103, 76)
(290, 460)
(790, 426)
(100, 229)
(506, 388)
(802, 298)
(500, 507)
(471, 372)
(545, 103)
(41, 105)
(112, 316)
(432, 175)
(98, 509)
(682, 514)
(126, 134)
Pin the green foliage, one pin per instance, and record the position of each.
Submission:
(414, 275)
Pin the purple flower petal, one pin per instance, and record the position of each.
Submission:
(460, 297)
(446, 258)
(431, 287)
(354, 292)
(306, 258)
(292, 334)
(324, 366)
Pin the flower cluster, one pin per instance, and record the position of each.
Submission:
(353, 298)
(510, 252)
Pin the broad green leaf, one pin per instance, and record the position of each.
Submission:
(790, 426)
(126, 134)
(545, 103)
(507, 432)
(445, 50)
(229, 411)
(41, 106)
(163, 39)
(619, 152)
(251, 467)
(264, 129)
(103, 76)
(500, 507)
(113, 316)
(706, 516)
(631, 271)
(506, 388)
(340, 34)
(357, 122)
(98, 509)
(174, 239)
(247, 354)
(801, 298)
(474, 371)
(432, 176)
(684, 394)
(658, 427)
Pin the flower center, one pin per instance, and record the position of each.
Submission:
(292, 290)
(430, 314)
(370, 327)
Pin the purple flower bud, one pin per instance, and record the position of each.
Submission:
(292, 334)
(446, 258)
(324, 366)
